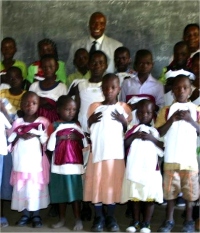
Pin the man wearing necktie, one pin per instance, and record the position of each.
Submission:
(97, 26)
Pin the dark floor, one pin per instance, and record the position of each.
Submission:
(123, 222)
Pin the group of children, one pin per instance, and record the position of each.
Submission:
(99, 136)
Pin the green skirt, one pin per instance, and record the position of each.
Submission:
(65, 188)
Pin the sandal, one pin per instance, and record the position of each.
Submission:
(36, 222)
(4, 222)
(23, 221)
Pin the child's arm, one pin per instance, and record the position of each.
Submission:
(186, 116)
(94, 118)
(129, 140)
(165, 127)
(150, 137)
(120, 118)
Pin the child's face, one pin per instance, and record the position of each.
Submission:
(49, 67)
(98, 65)
(144, 65)
(15, 79)
(111, 89)
(182, 90)
(8, 49)
(30, 104)
(81, 59)
(46, 49)
(67, 112)
(97, 25)
(145, 113)
(122, 61)
(181, 55)
(192, 38)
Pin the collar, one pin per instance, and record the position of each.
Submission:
(149, 79)
(99, 41)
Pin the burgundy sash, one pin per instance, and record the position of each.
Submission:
(68, 151)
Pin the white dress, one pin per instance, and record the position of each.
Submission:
(30, 174)
(141, 179)
(105, 147)
(181, 138)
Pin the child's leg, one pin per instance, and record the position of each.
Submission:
(110, 221)
(62, 212)
(189, 209)
(148, 211)
(98, 222)
(25, 218)
(170, 210)
(36, 219)
(135, 223)
(76, 205)
(136, 210)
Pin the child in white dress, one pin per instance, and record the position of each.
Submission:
(142, 180)
(107, 121)
(30, 173)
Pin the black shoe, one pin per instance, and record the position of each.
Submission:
(188, 226)
(167, 226)
(36, 222)
(111, 224)
(23, 221)
(180, 202)
(98, 224)
(86, 214)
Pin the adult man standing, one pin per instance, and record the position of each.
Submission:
(96, 41)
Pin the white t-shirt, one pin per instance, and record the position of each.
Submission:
(52, 93)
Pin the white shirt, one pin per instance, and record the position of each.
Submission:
(151, 86)
(53, 93)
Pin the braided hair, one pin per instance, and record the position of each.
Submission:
(50, 42)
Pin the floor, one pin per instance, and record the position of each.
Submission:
(123, 222)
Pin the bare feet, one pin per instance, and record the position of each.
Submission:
(78, 225)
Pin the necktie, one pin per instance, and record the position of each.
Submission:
(93, 47)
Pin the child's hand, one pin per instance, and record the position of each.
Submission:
(147, 136)
(94, 118)
(181, 115)
(120, 118)
(175, 116)
(185, 115)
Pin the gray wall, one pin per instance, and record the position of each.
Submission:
(155, 25)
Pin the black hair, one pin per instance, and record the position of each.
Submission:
(8, 39)
(27, 93)
(51, 42)
(122, 49)
(141, 53)
(190, 25)
(99, 52)
(48, 56)
(181, 44)
(195, 56)
(14, 69)
(179, 77)
(109, 76)
(63, 99)
(145, 102)
(79, 50)
(97, 13)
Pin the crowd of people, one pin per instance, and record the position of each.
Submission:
(107, 133)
